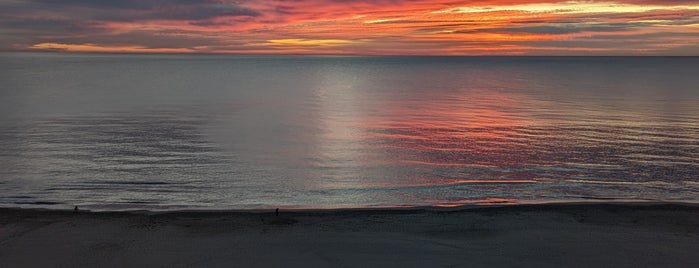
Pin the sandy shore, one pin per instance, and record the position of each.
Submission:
(557, 235)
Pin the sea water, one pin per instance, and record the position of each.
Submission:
(162, 132)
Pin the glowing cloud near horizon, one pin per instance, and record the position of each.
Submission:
(311, 42)
(102, 48)
(572, 7)
(434, 27)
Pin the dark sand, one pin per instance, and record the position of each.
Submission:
(555, 235)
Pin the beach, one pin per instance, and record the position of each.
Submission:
(349, 133)
(542, 235)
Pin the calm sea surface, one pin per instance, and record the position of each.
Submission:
(199, 132)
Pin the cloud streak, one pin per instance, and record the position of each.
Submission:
(388, 27)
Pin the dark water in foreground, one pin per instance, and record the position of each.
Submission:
(172, 132)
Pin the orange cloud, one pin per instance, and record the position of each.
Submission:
(101, 48)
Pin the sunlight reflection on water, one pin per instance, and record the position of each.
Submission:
(166, 132)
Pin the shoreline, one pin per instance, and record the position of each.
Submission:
(545, 235)
(459, 207)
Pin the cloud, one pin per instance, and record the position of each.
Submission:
(87, 47)
(568, 28)
(130, 10)
(310, 42)
(571, 7)
(448, 27)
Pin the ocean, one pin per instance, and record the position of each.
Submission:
(170, 132)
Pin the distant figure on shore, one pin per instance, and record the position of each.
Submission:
(76, 208)
(276, 212)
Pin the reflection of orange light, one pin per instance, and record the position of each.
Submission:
(415, 162)
(442, 182)
(477, 113)
(480, 201)
(457, 129)
(493, 181)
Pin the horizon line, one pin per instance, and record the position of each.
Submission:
(335, 54)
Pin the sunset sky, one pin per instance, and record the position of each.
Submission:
(383, 27)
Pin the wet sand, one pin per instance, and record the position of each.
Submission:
(553, 235)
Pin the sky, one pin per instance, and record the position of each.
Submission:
(382, 27)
